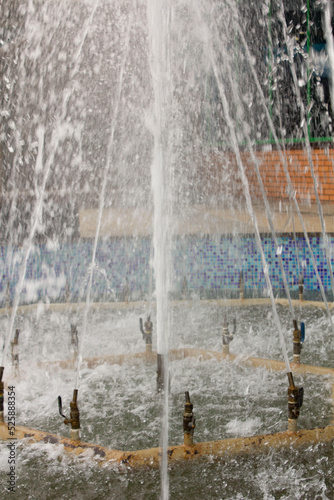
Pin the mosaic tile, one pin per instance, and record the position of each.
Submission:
(206, 263)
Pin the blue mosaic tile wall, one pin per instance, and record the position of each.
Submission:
(122, 267)
(216, 262)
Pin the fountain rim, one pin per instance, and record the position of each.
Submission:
(151, 457)
(140, 304)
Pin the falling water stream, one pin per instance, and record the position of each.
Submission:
(108, 161)
(303, 115)
(285, 167)
(47, 167)
(158, 22)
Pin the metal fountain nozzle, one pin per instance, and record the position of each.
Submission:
(295, 402)
(146, 330)
(15, 349)
(241, 285)
(189, 421)
(74, 419)
(298, 339)
(227, 336)
(301, 286)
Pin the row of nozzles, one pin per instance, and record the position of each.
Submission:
(298, 338)
(295, 394)
(74, 419)
(295, 402)
(126, 289)
(227, 337)
(241, 286)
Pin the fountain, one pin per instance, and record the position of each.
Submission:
(166, 207)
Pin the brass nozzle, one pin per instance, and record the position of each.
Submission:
(148, 325)
(14, 348)
(297, 337)
(74, 419)
(301, 286)
(295, 399)
(227, 336)
(146, 330)
(189, 422)
(241, 285)
(16, 338)
(74, 412)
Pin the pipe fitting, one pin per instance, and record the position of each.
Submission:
(241, 285)
(74, 411)
(189, 421)
(15, 349)
(227, 336)
(74, 419)
(301, 287)
(298, 339)
(146, 330)
(295, 402)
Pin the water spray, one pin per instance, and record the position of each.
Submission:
(184, 288)
(47, 166)
(304, 126)
(102, 193)
(249, 204)
(74, 340)
(126, 291)
(74, 419)
(8, 296)
(288, 178)
(67, 292)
